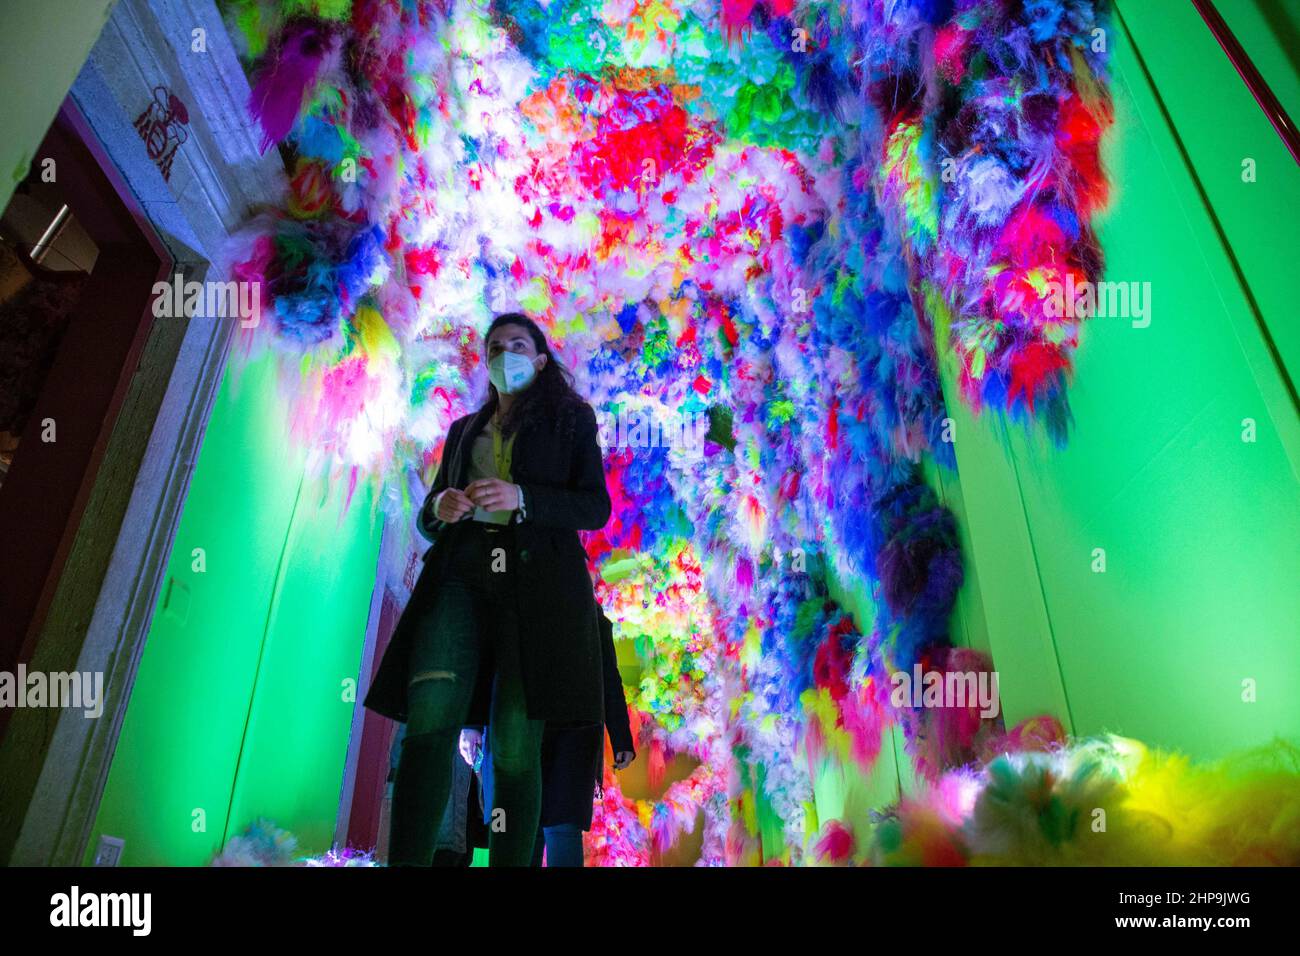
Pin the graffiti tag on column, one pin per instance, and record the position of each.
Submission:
(163, 127)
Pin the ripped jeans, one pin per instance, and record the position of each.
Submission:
(472, 623)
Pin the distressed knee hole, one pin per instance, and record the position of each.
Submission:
(432, 675)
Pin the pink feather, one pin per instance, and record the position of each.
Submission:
(837, 844)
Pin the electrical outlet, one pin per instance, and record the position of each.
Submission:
(109, 851)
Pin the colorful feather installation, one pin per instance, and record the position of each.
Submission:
(284, 82)
(965, 722)
(617, 836)
(753, 256)
(1027, 182)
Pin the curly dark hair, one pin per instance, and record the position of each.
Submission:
(549, 396)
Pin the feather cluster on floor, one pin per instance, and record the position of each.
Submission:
(1104, 801)
(262, 843)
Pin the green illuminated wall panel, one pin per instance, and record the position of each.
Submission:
(1199, 527)
(1222, 129)
(237, 710)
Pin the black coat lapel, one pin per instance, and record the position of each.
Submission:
(532, 453)
(530, 457)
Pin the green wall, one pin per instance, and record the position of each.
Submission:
(239, 708)
(1269, 30)
(1221, 128)
(1199, 527)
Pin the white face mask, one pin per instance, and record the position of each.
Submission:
(511, 372)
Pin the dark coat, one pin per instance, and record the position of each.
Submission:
(559, 466)
(573, 758)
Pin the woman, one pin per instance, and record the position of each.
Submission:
(502, 625)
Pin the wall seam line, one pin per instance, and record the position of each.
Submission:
(261, 655)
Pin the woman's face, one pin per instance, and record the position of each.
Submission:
(514, 338)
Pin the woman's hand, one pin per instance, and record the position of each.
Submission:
(453, 505)
(471, 745)
(623, 758)
(493, 494)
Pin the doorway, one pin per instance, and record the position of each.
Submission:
(77, 271)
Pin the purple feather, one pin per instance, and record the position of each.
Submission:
(288, 76)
